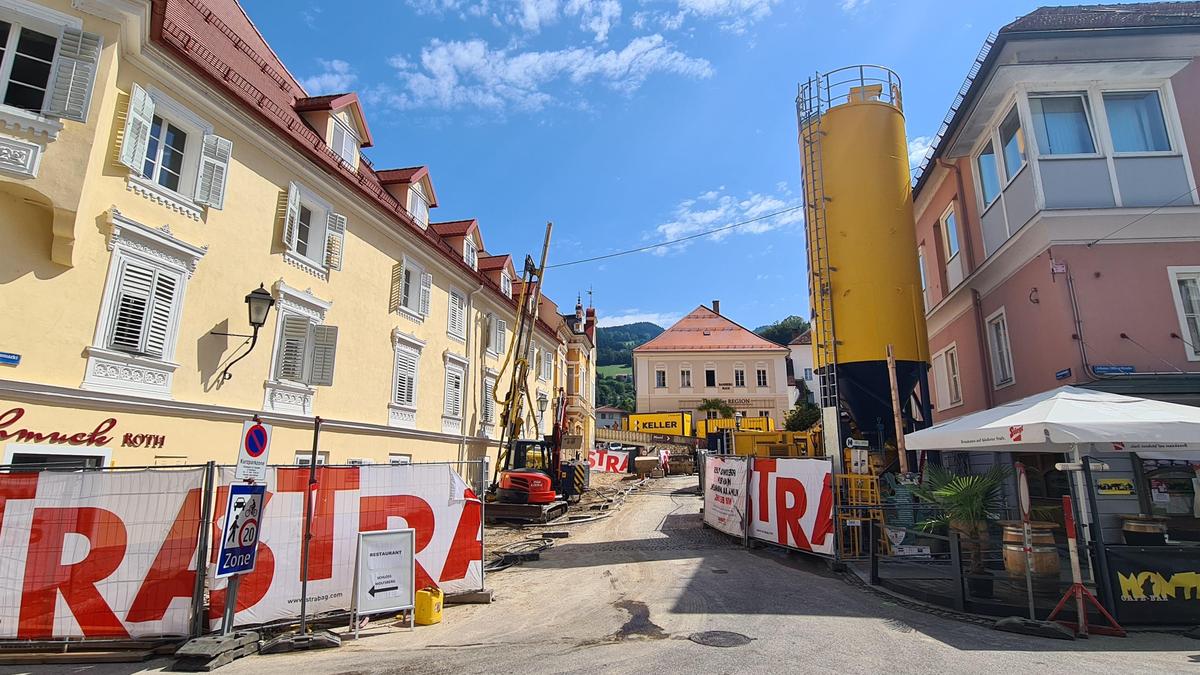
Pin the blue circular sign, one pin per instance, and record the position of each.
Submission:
(256, 440)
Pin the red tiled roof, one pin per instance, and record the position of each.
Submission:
(494, 262)
(408, 176)
(458, 228)
(219, 42)
(1109, 15)
(804, 338)
(705, 330)
(610, 409)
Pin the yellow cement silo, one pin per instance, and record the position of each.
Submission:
(865, 284)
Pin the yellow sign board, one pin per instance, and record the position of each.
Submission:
(1114, 486)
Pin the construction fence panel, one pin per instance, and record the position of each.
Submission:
(726, 480)
(433, 499)
(98, 554)
(791, 503)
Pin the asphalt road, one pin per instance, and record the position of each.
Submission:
(624, 594)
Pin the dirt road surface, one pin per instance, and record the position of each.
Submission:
(624, 594)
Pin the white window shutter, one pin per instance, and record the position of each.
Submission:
(457, 319)
(335, 240)
(396, 296)
(453, 400)
(135, 287)
(214, 170)
(324, 349)
(161, 308)
(74, 75)
(489, 402)
(501, 331)
(138, 120)
(406, 376)
(293, 348)
(291, 217)
(426, 290)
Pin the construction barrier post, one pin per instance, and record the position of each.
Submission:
(749, 501)
(483, 474)
(1096, 530)
(874, 549)
(208, 487)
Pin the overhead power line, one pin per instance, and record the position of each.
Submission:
(670, 242)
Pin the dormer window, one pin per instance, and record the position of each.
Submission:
(418, 205)
(470, 253)
(345, 143)
(506, 284)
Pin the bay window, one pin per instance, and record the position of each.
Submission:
(1012, 142)
(989, 174)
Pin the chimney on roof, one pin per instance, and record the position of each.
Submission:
(716, 306)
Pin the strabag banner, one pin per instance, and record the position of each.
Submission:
(792, 502)
(725, 494)
(609, 461)
(431, 499)
(98, 554)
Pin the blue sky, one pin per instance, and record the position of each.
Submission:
(626, 122)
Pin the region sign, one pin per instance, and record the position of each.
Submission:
(243, 522)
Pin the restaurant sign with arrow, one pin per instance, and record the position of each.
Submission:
(385, 575)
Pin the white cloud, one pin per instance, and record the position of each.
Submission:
(732, 15)
(852, 5)
(626, 316)
(336, 77)
(714, 209)
(532, 16)
(917, 149)
(456, 74)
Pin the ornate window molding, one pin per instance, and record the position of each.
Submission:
(291, 397)
(20, 157)
(158, 243)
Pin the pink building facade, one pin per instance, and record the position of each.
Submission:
(1058, 221)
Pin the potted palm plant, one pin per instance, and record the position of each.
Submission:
(965, 504)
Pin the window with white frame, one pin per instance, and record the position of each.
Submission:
(710, 377)
(1185, 287)
(304, 458)
(489, 400)
(418, 205)
(685, 378)
(946, 382)
(457, 315)
(660, 378)
(142, 305)
(924, 283)
(808, 374)
(506, 284)
(572, 380)
(1000, 349)
(547, 365)
(452, 403)
(952, 376)
(498, 335)
(1061, 124)
(1135, 121)
(989, 174)
(314, 235)
(761, 377)
(47, 63)
(470, 252)
(1012, 143)
(411, 289)
(739, 377)
(174, 157)
(950, 232)
(345, 143)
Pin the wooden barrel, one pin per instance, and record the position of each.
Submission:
(1045, 554)
(1143, 530)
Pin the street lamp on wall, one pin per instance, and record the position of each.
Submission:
(542, 404)
(258, 305)
(737, 420)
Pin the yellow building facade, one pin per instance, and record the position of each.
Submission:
(144, 193)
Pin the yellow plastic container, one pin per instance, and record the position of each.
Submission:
(429, 606)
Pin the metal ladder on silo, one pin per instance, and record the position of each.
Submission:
(809, 110)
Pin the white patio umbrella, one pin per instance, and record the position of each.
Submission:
(1057, 420)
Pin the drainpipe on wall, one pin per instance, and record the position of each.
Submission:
(981, 335)
(462, 436)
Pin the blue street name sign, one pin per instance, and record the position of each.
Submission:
(1062, 374)
(1113, 370)
(10, 359)
(239, 538)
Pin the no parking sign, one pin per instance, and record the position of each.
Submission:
(252, 451)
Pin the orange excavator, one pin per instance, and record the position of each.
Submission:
(532, 483)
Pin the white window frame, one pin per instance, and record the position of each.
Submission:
(685, 378)
(487, 410)
(924, 279)
(37, 17)
(951, 381)
(122, 372)
(994, 355)
(708, 367)
(457, 332)
(572, 379)
(1013, 108)
(404, 414)
(1166, 104)
(350, 143)
(1093, 130)
(950, 212)
(319, 210)
(410, 289)
(762, 378)
(506, 283)
(286, 395)
(660, 377)
(418, 204)
(739, 375)
(182, 200)
(1174, 273)
(985, 204)
(304, 457)
(471, 252)
(497, 335)
(455, 365)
